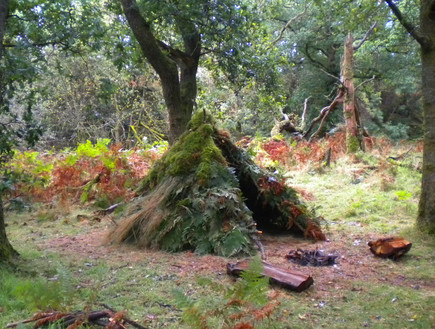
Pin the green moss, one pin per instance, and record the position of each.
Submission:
(352, 144)
(194, 152)
(199, 118)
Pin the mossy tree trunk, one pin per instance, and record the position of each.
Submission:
(6, 250)
(177, 69)
(425, 36)
(426, 213)
(354, 138)
(4, 8)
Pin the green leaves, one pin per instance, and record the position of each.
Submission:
(234, 243)
(254, 286)
(90, 150)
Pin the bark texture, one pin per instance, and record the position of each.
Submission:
(176, 69)
(4, 5)
(426, 213)
(289, 279)
(354, 139)
(6, 250)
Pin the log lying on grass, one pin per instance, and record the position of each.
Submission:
(108, 318)
(393, 247)
(292, 280)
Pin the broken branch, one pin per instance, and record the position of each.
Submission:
(106, 318)
(289, 23)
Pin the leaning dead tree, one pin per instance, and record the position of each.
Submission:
(346, 95)
(354, 136)
(207, 195)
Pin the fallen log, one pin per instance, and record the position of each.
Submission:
(292, 280)
(392, 247)
(106, 318)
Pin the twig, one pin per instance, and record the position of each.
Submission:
(260, 247)
(329, 74)
(79, 318)
(368, 80)
(403, 155)
(133, 323)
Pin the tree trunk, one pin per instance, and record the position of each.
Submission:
(426, 209)
(6, 250)
(4, 7)
(354, 140)
(179, 92)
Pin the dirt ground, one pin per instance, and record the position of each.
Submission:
(355, 263)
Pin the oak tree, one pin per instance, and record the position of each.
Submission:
(174, 35)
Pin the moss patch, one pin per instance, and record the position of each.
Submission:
(195, 153)
(352, 143)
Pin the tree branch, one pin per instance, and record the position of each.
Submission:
(304, 114)
(164, 66)
(412, 30)
(317, 63)
(175, 54)
(288, 24)
(368, 34)
(331, 75)
(368, 80)
(323, 114)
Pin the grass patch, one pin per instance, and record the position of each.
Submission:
(63, 266)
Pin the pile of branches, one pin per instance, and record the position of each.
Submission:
(107, 318)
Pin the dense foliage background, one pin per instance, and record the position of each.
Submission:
(77, 66)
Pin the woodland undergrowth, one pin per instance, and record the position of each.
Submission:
(105, 173)
(101, 174)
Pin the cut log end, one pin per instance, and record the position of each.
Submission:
(392, 247)
(292, 280)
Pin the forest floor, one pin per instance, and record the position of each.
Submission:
(66, 265)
